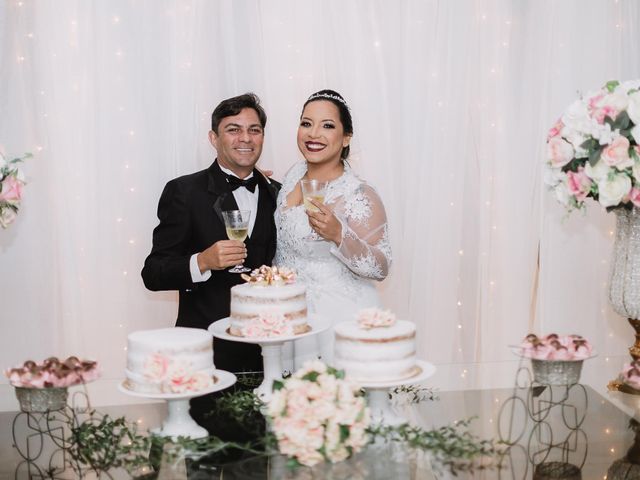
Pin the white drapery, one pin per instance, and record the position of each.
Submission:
(451, 103)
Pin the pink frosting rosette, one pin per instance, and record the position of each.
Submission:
(369, 318)
(556, 347)
(267, 325)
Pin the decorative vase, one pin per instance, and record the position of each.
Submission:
(624, 283)
(41, 400)
(556, 372)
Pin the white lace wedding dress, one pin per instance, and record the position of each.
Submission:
(340, 279)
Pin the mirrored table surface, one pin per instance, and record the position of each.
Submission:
(570, 432)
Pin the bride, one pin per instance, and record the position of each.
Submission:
(351, 248)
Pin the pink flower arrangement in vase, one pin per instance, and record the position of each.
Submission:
(11, 183)
(316, 415)
(43, 386)
(556, 359)
(593, 149)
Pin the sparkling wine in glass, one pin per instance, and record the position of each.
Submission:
(237, 224)
(313, 190)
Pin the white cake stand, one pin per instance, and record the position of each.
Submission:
(378, 394)
(271, 349)
(179, 422)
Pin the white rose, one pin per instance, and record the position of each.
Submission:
(599, 172)
(634, 108)
(562, 193)
(618, 100)
(553, 176)
(576, 117)
(604, 134)
(611, 192)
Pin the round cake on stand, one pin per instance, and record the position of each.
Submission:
(271, 349)
(175, 365)
(268, 310)
(378, 352)
(178, 422)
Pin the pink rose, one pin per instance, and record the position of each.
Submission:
(555, 130)
(617, 154)
(559, 152)
(634, 196)
(11, 191)
(607, 105)
(579, 184)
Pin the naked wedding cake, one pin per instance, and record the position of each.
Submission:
(269, 304)
(376, 347)
(169, 360)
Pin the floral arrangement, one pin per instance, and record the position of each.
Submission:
(175, 376)
(556, 347)
(52, 373)
(369, 318)
(631, 374)
(11, 183)
(592, 150)
(316, 414)
(267, 324)
(265, 276)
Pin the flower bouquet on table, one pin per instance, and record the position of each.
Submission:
(592, 150)
(43, 386)
(318, 415)
(11, 183)
(555, 359)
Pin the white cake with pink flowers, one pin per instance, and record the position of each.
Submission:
(169, 360)
(376, 347)
(269, 304)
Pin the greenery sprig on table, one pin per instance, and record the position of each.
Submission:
(99, 443)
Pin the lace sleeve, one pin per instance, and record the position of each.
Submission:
(365, 246)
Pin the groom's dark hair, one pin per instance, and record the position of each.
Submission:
(233, 106)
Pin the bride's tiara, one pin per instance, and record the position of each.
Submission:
(315, 96)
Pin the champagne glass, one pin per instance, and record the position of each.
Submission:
(237, 224)
(313, 190)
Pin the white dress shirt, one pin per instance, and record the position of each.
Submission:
(246, 200)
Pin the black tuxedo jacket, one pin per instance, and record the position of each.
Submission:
(190, 213)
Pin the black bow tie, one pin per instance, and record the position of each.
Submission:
(235, 182)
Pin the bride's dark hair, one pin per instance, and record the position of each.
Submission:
(345, 115)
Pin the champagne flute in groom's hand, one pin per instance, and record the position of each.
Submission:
(237, 224)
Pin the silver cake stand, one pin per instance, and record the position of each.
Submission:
(271, 349)
(378, 394)
(179, 422)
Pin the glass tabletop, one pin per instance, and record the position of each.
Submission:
(543, 430)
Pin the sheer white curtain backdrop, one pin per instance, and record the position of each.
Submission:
(451, 102)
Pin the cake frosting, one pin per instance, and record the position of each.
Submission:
(269, 304)
(376, 347)
(169, 360)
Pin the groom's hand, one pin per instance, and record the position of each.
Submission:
(222, 254)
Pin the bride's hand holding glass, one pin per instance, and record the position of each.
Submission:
(324, 222)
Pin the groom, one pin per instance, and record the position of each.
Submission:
(191, 252)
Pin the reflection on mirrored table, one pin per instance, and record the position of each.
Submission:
(567, 432)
